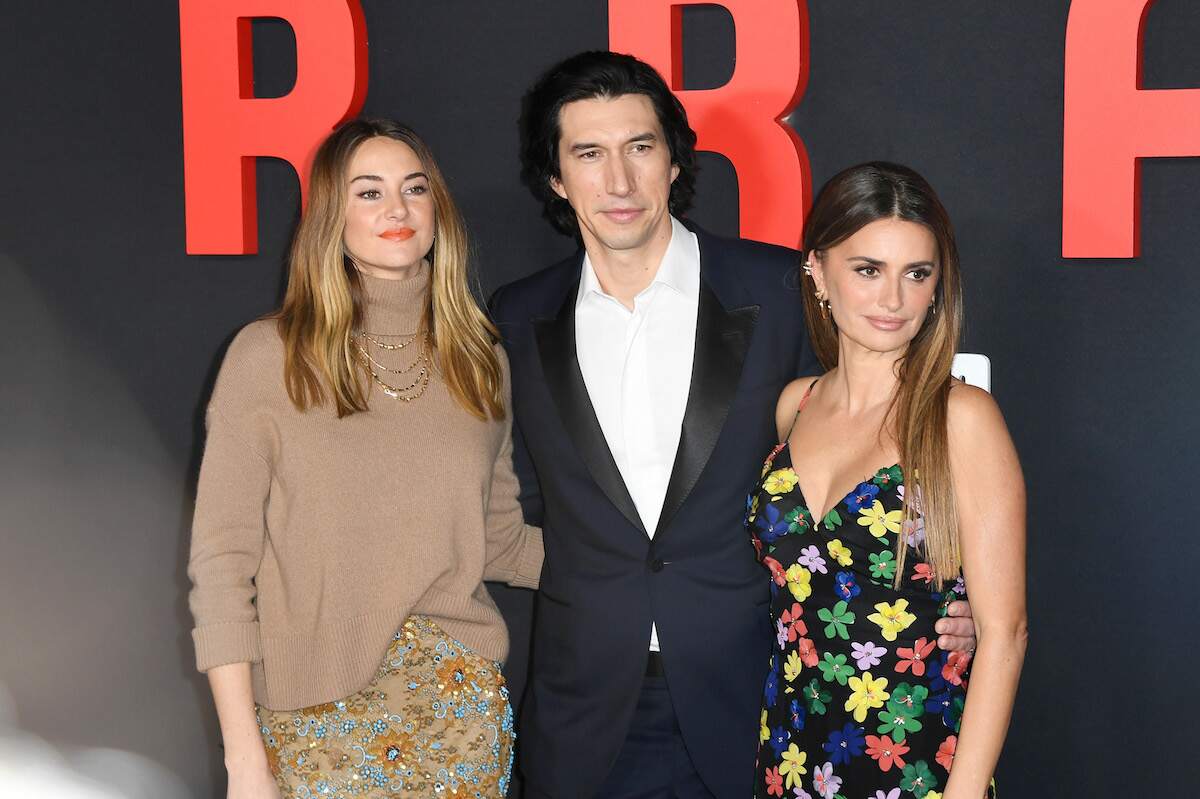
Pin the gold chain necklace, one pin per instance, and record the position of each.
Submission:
(384, 345)
(419, 383)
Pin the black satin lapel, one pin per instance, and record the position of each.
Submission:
(722, 339)
(560, 363)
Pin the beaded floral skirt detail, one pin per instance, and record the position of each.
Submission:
(435, 721)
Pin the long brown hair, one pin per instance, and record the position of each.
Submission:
(323, 304)
(851, 200)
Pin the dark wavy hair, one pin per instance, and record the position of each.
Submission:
(598, 73)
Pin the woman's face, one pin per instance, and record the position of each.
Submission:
(880, 283)
(389, 209)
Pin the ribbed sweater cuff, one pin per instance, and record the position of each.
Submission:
(219, 644)
(529, 568)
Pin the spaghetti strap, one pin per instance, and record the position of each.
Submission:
(800, 407)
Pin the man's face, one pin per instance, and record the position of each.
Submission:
(616, 171)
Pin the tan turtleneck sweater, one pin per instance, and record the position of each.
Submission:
(315, 537)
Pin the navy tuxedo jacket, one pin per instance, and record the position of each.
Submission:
(605, 579)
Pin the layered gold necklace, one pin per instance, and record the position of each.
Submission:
(422, 364)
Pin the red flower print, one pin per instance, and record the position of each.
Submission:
(956, 664)
(945, 752)
(791, 620)
(886, 752)
(923, 573)
(914, 657)
(777, 572)
(808, 652)
(774, 782)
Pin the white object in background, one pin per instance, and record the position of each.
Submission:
(973, 368)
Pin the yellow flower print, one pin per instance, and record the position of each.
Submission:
(799, 582)
(792, 766)
(892, 618)
(881, 522)
(792, 666)
(868, 693)
(839, 552)
(764, 732)
(933, 795)
(781, 481)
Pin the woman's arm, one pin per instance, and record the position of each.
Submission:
(228, 535)
(245, 756)
(990, 494)
(514, 549)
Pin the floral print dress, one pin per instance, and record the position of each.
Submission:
(858, 701)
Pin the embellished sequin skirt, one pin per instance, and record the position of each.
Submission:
(435, 721)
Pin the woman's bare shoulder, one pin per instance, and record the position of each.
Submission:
(789, 403)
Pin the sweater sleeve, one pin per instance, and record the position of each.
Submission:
(229, 527)
(514, 549)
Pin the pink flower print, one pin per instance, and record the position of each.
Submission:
(776, 569)
(795, 625)
(866, 655)
(824, 782)
(808, 652)
(922, 573)
(781, 633)
(810, 558)
(894, 793)
(914, 657)
(801, 793)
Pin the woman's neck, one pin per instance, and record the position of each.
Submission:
(395, 306)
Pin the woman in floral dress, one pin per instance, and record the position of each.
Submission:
(891, 483)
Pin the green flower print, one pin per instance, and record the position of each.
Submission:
(832, 519)
(910, 698)
(918, 779)
(799, 520)
(833, 667)
(815, 698)
(898, 721)
(836, 620)
(887, 478)
(883, 565)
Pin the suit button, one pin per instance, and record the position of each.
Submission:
(657, 565)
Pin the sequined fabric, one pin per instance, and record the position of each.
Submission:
(435, 721)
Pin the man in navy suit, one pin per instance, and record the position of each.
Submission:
(645, 371)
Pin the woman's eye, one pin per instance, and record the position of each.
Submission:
(867, 271)
(920, 275)
(370, 194)
(418, 189)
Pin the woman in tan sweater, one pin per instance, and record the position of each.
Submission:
(356, 491)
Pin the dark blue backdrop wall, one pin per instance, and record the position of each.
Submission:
(111, 335)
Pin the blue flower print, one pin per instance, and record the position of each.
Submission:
(847, 587)
(845, 744)
(861, 497)
(771, 689)
(779, 740)
(771, 524)
(797, 713)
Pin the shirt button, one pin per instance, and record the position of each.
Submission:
(657, 565)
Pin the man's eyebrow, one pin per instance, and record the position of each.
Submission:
(647, 136)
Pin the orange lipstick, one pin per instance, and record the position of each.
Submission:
(398, 234)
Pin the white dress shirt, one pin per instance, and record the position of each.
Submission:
(637, 366)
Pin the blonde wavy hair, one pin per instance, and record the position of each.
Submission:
(917, 418)
(323, 304)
